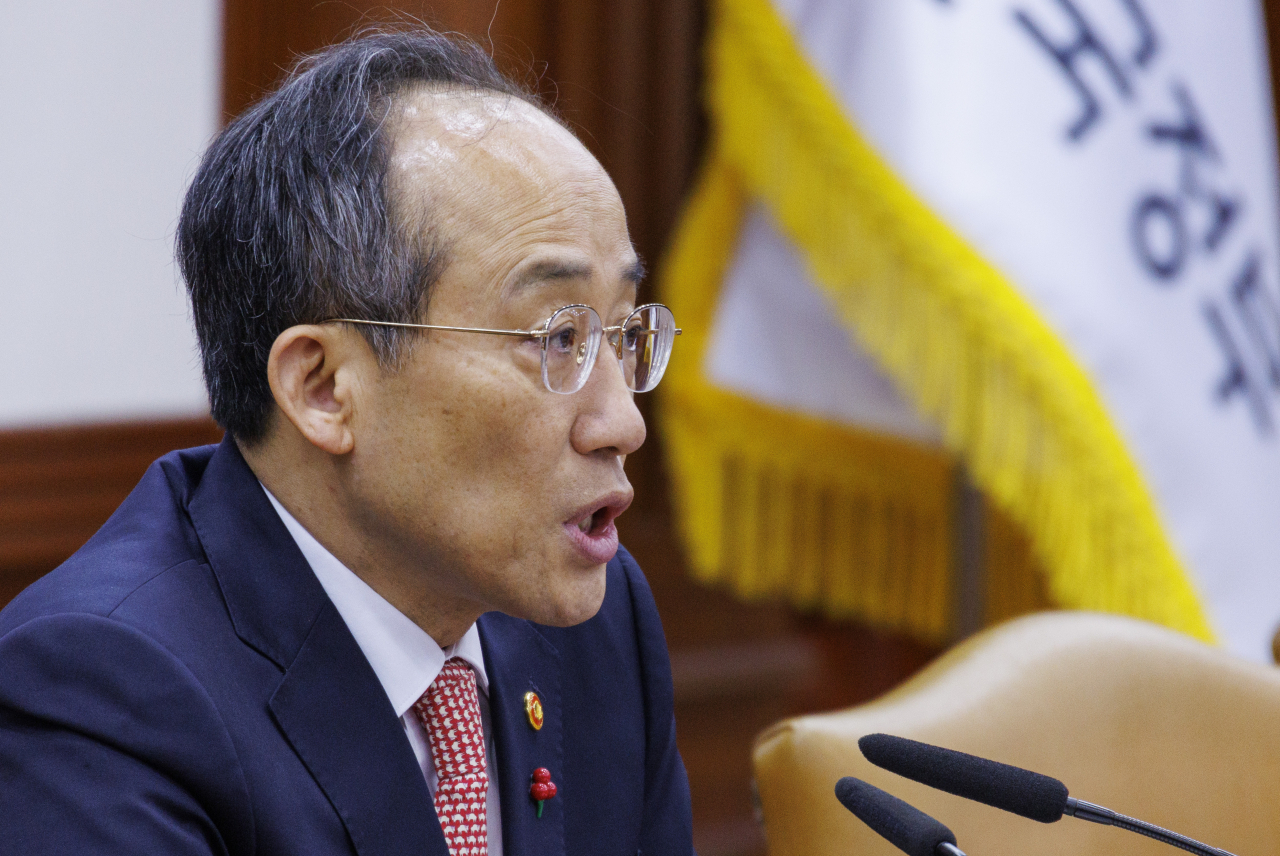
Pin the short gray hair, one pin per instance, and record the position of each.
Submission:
(288, 220)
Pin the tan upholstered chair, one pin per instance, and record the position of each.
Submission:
(1128, 715)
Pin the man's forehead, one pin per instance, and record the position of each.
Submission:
(480, 166)
(440, 125)
(455, 149)
(457, 109)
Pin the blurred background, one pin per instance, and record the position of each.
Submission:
(904, 531)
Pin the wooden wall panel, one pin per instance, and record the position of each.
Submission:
(262, 39)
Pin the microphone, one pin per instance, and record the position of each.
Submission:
(1010, 788)
(906, 827)
(1006, 787)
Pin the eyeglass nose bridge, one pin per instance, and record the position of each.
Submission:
(613, 335)
(610, 336)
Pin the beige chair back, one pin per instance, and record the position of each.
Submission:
(1128, 715)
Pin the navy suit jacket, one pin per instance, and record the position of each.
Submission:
(183, 685)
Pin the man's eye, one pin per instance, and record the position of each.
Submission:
(563, 338)
(632, 336)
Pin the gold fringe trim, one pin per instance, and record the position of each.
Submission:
(777, 503)
(952, 332)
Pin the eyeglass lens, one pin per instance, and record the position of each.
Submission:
(570, 347)
(646, 339)
(573, 340)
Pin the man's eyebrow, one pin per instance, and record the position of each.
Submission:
(551, 271)
(634, 273)
(554, 271)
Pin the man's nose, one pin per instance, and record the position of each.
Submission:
(608, 420)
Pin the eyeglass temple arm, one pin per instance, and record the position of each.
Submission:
(528, 334)
(617, 327)
(608, 332)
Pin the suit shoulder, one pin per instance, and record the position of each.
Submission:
(148, 534)
(85, 693)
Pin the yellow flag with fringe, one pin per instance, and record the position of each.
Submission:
(970, 195)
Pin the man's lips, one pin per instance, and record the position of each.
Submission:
(592, 530)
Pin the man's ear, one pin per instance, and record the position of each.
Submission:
(312, 370)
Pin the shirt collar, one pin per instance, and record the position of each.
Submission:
(403, 655)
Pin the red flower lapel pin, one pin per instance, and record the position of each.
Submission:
(542, 788)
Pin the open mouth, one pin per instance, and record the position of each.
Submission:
(592, 529)
(593, 523)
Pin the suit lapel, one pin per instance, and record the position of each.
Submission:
(338, 719)
(519, 660)
(329, 704)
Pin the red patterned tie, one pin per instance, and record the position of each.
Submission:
(450, 712)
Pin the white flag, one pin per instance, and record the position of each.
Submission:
(1054, 224)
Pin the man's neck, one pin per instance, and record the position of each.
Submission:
(310, 485)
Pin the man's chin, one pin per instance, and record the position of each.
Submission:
(576, 605)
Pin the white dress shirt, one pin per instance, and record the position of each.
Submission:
(403, 656)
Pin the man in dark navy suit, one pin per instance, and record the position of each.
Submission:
(389, 613)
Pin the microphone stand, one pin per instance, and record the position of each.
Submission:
(1105, 816)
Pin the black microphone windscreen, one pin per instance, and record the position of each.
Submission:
(907, 828)
(1010, 788)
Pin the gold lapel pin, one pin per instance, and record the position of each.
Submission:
(533, 709)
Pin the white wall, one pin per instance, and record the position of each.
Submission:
(105, 108)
